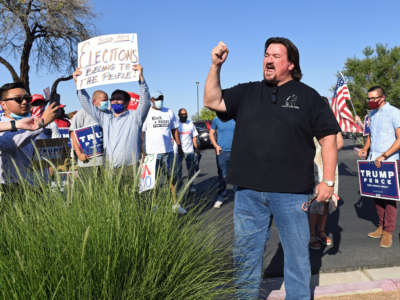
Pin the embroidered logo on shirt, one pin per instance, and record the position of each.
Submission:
(290, 102)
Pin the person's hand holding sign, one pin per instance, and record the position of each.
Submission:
(380, 158)
(362, 153)
(76, 74)
(82, 157)
(139, 68)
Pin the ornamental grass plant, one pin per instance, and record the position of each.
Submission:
(98, 238)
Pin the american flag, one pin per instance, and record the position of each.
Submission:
(340, 110)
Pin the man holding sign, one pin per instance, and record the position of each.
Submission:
(81, 120)
(384, 144)
(121, 127)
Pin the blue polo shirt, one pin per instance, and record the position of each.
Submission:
(225, 132)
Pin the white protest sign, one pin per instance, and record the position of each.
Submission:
(148, 174)
(108, 59)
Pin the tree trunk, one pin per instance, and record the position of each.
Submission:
(24, 66)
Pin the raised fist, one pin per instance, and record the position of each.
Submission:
(219, 54)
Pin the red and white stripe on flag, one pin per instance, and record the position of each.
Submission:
(341, 111)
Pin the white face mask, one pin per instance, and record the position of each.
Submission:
(158, 104)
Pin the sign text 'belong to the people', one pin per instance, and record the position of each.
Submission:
(108, 59)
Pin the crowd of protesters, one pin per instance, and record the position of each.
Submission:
(276, 142)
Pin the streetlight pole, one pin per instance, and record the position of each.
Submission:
(197, 87)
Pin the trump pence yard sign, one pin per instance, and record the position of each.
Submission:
(108, 59)
(380, 182)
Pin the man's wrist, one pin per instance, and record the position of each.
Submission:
(384, 155)
(330, 183)
(13, 125)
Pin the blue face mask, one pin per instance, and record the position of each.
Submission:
(117, 108)
(103, 105)
(158, 104)
(18, 117)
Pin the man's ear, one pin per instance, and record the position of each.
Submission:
(291, 66)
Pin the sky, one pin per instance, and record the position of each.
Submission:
(175, 39)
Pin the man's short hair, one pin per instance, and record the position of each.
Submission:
(98, 92)
(10, 86)
(125, 96)
(377, 88)
(180, 110)
(292, 52)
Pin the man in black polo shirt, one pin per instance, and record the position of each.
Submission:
(272, 162)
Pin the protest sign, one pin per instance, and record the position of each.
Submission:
(108, 59)
(380, 182)
(148, 177)
(55, 150)
(367, 124)
(134, 102)
(64, 132)
(90, 140)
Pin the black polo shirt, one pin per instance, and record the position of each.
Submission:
(273, 148)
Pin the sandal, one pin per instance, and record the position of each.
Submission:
(325, 239)
(315, 243)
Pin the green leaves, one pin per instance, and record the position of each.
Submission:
(380, 66)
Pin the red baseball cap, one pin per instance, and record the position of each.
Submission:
(37, 97)
(62, 105)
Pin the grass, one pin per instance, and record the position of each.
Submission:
(101, 239)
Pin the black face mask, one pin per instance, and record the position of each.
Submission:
(182, 118)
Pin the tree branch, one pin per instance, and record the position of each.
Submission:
(10, 68)
(55, 84)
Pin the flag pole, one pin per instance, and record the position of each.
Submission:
(351, 102)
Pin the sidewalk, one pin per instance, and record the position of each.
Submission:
(380, 284)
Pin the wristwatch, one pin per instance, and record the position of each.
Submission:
(13, 126)
(329, 183)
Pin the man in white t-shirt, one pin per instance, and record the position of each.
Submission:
(158, 134)
(187, 134)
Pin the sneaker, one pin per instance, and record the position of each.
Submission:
(377, 234)
(179, 209)
(386, 241)
(218, 204)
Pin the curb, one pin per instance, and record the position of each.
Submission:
(384, 289)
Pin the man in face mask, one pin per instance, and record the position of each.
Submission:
(383, 143)
(121, 127)
(187, 134)
(81, 120)
(16, 148)
(158, 133)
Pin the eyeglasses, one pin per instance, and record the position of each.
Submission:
(374, 98)
(306, 205)
(19, 99)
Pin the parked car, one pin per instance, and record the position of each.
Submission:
(203, 139)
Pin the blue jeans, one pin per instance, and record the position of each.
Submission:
(190, 164)
(223, 161)
(165, 162)
(252, 220)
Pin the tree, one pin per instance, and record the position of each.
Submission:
(380, 66)
(44, 31)
(205, 114)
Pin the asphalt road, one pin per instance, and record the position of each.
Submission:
(348, 226)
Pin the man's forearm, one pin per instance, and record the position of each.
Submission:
(212, 90)
(394, 148)
(329, 156)
(212, 139)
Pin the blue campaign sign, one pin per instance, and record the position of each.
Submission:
(88, 137)
(64, 131)
(367, 124)
(380, 182)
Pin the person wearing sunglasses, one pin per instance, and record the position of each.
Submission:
(121, 127)
(383, 144)
(16, 145)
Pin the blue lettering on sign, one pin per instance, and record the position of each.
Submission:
(64, 132)
(380, 182)
(147, 181)
(88, 138)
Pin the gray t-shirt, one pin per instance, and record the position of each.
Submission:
(83, 119)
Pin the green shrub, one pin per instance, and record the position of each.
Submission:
(100, 239)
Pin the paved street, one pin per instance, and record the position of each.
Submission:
(348, 226)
